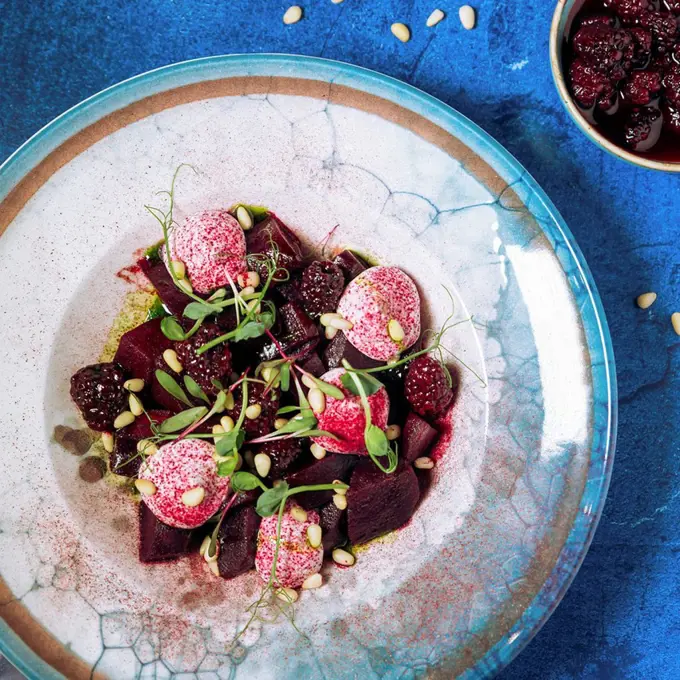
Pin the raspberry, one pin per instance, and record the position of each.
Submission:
(642, 87)
(642, 128)
(99, 394)
(282, 453)
(588, 85)
(427, 388)
(269, 403)
(601, 46)
(321, 287)
(664, 29)
(215, 363)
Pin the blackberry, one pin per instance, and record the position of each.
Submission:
(321, 287)
(98, 392)
(269, 403)
(427, 388)
(215, 363)
(642, 128)
(282, 453)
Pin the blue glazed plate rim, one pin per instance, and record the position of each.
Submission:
(571, 556)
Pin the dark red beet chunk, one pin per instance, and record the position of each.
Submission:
(237, 540)
(351, 264)
(125, 460)
(213, 364)
(159, 395)
(172, 297)
(333, 523)
(340, 348)
(417, 437)
(272, 230)
(321, 287)
(159, 542)
(139, 349)
(325, 471)
(378, 503)
(314, 365)
(98, 392)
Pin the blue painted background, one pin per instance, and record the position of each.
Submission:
(621, 618)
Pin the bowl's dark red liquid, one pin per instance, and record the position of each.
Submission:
(611, 126)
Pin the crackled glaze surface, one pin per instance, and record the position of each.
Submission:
(520, 482)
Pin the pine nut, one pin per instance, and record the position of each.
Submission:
(229, 401)
(395, 330)
(401, 32)
(675, 321)
(328, 317)
(254, 305)
(292, 16)
(193, 497)
(280, 422)
(393, 432)
(307, 381)
(341, 324)
(336, 2)
(134, 385)
(287, 594)
(646, 300)
(467, 17)
(207, 556)
(297, 513)
(214, 567)
(249, 279)
(263, 464)
(314, 535)
(170, 358)
(135, 405)
(435, 18)
(340, 492)
(146, 447)
(317, 400)
(179, 269)
(123, 420)
(253, 411)
(145, 487)
(227, 423)
(185, 285)
(107, 441)
(248, 290)
(343, 558)
(204, 545)
(243, 216)
(312, 582)
(423, 463)
(330, 332)
(217, 430)
(340, 501)
(317, 451)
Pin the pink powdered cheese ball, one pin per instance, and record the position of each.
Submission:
(212, 246)
(346, 419)
(177, 467)
(371, 301)
(297, 560)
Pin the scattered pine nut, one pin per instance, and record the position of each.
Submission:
(207, 556)
(254, 305)
(253, 411)
(263, 464)
(179, 268)
(248, 280)
(330, 332)
(340, 501)
(646, 300)
(314, 535)
(307, 381)
(193, 497)
(395, 330)
(146, 447)
(145, 487)
(123, 420)
(317, 400)
(248, 290)
(317, 451)
(280, 422)
(229, 401)
(423, 463)
(292, 16)
(243, 216)
(468, 17)
(393, 432)
(401, 32)
(326, 318)
(214, 568)
(218, 430)
(312, 582)
(287, 594)
(107, 441)
(170, 358)
(341, 324)
(227, 423)
(297, 513)
(434, 18)
(340, 492)
(204, 545)
(135, 405)
(675, 320)
(134, 385)
(342, 557)
(336, 2)
(185, 285)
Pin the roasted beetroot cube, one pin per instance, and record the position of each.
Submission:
(378, 503)
(171, 296)
(417, 437)
(282, 453)
(333, 522)
(140, 347)
(351, 264)
(340, 348)
(125, 460)
(237, 540)
(325, 471)
(299, 329)
(245, 498)
(271, 231)
(159, 542)
(314, 365)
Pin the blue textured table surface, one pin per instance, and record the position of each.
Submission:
(620, 619)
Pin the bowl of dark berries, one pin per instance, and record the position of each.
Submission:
(616, 64)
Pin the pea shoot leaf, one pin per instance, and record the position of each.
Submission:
(370, 384)
(182, 420)
(229, 441)
(171, 329)
(270, 501)
(246, 481)
(195, 389)
(171, 386)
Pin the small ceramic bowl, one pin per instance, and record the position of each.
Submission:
(564, 15)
